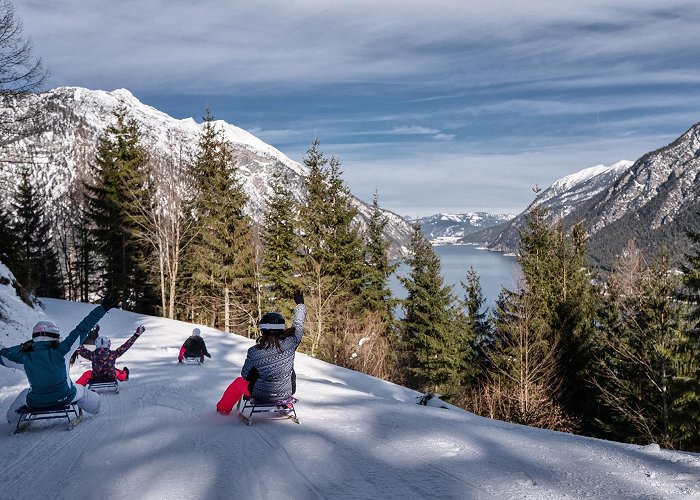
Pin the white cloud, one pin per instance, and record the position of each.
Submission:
(213, 46)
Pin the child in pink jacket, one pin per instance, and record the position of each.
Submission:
(103, 360)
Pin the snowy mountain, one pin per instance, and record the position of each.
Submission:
(445, 229)
(654, 200)
(560, 199)
(60, 143)
(359, 437)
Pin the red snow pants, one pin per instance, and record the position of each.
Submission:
(232, 394)
(85, 377)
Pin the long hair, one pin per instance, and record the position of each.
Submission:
(271, 338)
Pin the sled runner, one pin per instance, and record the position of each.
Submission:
(278, 407)
(192, 361)
(97, 385)
(70, 412)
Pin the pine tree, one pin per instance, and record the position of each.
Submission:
(563, 302)
(647, 360)
(37, 267)
(522, 383)
(332, 254)
(344, 241)
(376, 294)
(222, 254)
(281, 245)
(476, 324)
(433, 346)
(686, 394)
(120, 187)
(9, 244)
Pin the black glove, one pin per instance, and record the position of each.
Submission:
(140, 330)
(109, 301)
(28, 346)
(298, 297)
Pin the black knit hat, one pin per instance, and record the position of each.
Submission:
(272, 323)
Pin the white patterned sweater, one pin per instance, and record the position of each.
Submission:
(269, 371)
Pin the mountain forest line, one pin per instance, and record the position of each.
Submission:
(611, 355)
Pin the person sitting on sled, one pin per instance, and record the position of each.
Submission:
(90, 340)
(194, 347)
(44, 359)
(103, 360)
(268, 372)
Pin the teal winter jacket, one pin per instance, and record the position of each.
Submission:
(46, 364)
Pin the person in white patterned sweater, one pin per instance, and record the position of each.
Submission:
(268, 372)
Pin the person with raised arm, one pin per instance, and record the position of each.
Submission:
(45, 358)
(268, 372)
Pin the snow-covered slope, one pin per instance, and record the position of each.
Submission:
(60, 143)
(16, 321)
(359, 437)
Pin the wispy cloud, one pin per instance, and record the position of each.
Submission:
(442, 104)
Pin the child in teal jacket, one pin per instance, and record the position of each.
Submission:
(45, 361)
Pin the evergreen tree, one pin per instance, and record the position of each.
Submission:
(433, 346)
(687, 380)
(563, 303)
(646, 361)
(222, 254)
(344, 241)
(523, 382)
(476, 316)
(281, 245)
(332, 254)
(477, 326)
(9, 245)
(113, 208)
(375, 293)
(37, 267)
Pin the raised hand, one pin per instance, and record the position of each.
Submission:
(109, 301)
(140, 330)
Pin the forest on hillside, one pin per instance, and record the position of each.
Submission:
(611, 355)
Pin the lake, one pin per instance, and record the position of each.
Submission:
(495, 270)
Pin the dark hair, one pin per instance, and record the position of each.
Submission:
(268, 339)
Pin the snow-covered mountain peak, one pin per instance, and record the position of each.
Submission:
(570, 181)
(73, 119)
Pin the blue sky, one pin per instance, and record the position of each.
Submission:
(440, 106)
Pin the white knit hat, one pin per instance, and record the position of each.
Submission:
(103, 343)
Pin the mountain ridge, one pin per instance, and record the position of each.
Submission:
(653, 200)
(60, 143)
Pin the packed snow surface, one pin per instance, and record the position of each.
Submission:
(359, 437)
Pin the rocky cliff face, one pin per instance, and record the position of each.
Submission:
(60, 143)
(654, 200)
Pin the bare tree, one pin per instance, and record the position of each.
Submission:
(20, 73)
(365, 346)
(524, 380)
(630, 269)
(165, 225)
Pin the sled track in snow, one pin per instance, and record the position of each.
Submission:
(282, 452)
(39, 454)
